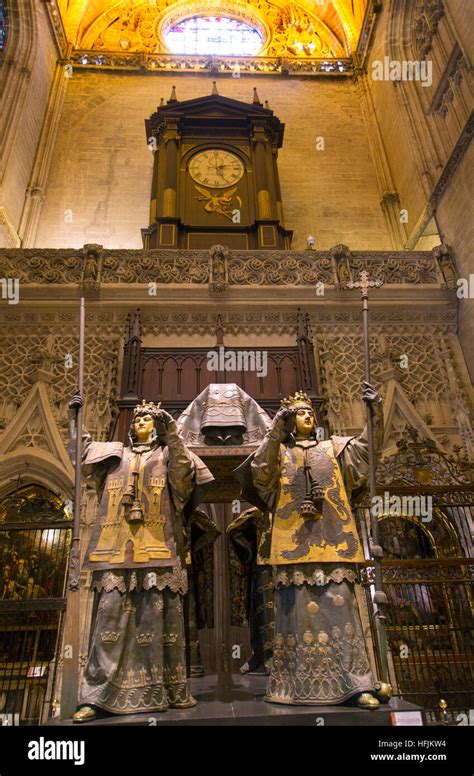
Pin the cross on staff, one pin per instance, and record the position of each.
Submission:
(71, 641)
(379, 597)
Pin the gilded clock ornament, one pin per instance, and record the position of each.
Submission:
(216, 168)
(218, 203)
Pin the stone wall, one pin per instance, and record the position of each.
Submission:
(99, 185)
(426, 129)
(456, 219)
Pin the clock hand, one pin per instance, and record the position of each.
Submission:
(216, 167)
(219, 172)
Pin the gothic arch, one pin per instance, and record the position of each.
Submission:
(439, 535)
(89, 28)
(43, 469)
(35, 534)
(32, 443)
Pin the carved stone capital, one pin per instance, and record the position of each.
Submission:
(390, 198)
(36, 192)
(442, 251)
(444, 255)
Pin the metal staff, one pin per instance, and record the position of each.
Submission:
(70, 677)
(376, 551)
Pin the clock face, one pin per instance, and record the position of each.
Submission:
(216, 168)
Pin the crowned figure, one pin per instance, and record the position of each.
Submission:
(146, 492)
(304, 483)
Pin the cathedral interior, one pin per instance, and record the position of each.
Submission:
(206, 185)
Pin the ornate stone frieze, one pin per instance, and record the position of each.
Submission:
(112, 322)
(159, 63)
(42, 265)
(428, 574)
(414, 269)
(241, 268)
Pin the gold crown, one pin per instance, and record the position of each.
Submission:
(109, 637)
(147, 408)
(144, 639)
(300, 398)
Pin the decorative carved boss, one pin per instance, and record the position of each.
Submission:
(215, 176)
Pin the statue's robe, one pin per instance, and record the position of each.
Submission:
(251, 583)
(319, 652)
(136, 660)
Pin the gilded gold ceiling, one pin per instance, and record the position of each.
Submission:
(303, 29)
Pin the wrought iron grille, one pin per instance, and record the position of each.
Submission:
(428, 575)
(34, 544)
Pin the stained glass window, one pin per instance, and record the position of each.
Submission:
(219, 35)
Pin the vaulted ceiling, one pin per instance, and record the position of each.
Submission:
(317, 28)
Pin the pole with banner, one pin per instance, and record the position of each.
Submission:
(379, 597)
(70, 673)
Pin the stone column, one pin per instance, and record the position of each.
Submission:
(35, 196)
(261, 176)
(389, 199)
(172, 139)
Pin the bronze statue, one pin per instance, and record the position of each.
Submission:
(319, 653)
(137, 659)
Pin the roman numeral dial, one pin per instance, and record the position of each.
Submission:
(216, 168)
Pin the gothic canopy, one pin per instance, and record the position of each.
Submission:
(328, 29)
